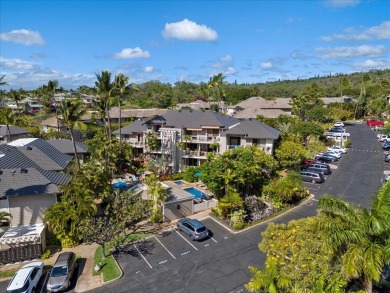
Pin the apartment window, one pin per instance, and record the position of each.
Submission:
(255, 141)
(178, 207)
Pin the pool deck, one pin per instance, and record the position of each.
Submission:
(198, 185)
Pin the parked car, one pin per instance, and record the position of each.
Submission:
(333, 153)
(374, 122)
(337, 130)
(386, 145)
(62, 272)
(194, 228)
(326, 158)
(319, 167)
(384, 137)
(387, 158)
(378, 127)
(26, 279)
(338, 149)
(312, 176)
(338, 124)
(308, 161)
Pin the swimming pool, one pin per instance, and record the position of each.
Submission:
(196, 192)
(179, 182)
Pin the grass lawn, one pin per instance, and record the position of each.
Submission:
(110, 269)
(7, 274)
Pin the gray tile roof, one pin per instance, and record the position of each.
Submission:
(15, 182)
(197, 119)
(13, 130)
(136, 127)
(254, 112)
(36, 153)
(62, 160)
(65, 146)
(253, 129)
(258, 102)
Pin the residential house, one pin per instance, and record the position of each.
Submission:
(65, 146)
(186, 136)
(257, 106)
(54, 124)
(30, 179)
(249, 132)
(134, 114)
(15, 132)
(202, 105)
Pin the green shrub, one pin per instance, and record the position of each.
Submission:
(238, 219)
(347, 143)
(46, 254)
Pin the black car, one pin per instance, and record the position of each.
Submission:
(326, 158)
(337, 130)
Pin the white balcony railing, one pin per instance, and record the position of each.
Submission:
(204, 139)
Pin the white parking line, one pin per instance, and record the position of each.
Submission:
(142, 256)
(214, 240)
(165, 247)
(186, 240)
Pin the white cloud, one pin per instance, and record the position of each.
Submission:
(347, 52)
(226, 58)
(23, 36)
(128, 53)
(230, 71)
(266, 65)
(373, 64)
(149, 69)
(341, 3)
(189, 31)
(381, 31)
(16, 64)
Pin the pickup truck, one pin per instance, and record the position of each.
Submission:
(375, 123)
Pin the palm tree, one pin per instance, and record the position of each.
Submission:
(17, 96)
(158, 194)
(72, 112)
(366, 78)
(7, 116)
(3, 82)
(50, 90)
(216, 83)
(104, 89)
(120, 84)
(268, 279)
(358, 237)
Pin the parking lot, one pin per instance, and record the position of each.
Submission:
(171, 262)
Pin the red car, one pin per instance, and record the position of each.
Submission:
(375, 123)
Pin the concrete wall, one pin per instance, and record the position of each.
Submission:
(178, 209)
(28, 210)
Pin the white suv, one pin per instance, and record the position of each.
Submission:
(338, 124)
(26, 279)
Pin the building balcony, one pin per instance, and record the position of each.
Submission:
(232, 146)
(136, 143)
(194, 154)
(204, 139)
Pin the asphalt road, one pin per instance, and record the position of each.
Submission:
(172, 263)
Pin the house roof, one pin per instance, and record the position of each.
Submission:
(28, 181)
(37, 150)
(253, 129)
(14, 130)
(259, 102)
(198, 119)
(137, 113)
(52, 122)
(254, 112)
(65, 146)
(328, 100)
(136, 127)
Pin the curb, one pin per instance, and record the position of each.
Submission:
(310, 197)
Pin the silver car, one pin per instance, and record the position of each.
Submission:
(194, 228)
(62, 272)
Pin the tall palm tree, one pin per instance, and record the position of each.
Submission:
(120, 84)
(366, 78)
(17, 96)
(50, 91)
(358, 237)
(72, 112)
(7, 116)
(216, 84)
(158, 194)
(104, 88)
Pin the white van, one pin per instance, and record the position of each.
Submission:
(26, 279)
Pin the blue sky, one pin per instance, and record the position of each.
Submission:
(170, 41)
